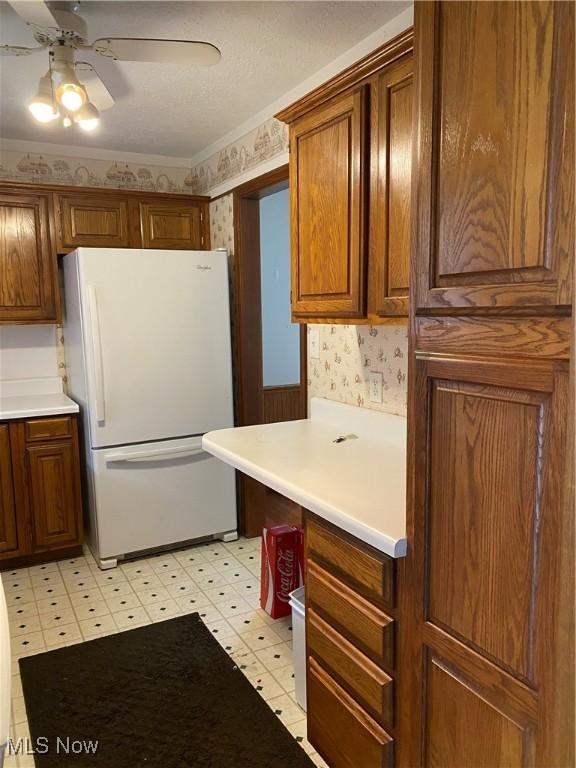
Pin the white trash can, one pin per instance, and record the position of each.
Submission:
(298, 605)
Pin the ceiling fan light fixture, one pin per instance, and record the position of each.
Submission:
(87, 117)
(42, 105)
(70, 93)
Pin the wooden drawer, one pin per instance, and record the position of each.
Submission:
(363, 623)
(342, 732)
(363, 679)
(368, 571)
(48, 429)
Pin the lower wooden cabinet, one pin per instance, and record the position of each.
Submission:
(55, 494)
(350, 643)
(344, 735)
(8, 521)
(40, 490)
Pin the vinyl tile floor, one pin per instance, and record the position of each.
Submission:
(72, 601)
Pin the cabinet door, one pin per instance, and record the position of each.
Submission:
(390, 251)
(327, 187)
(488, 522)
(495, 181)
(97, 221)
(9, 546)
(169, 225)
(55, 494)
(28, 268)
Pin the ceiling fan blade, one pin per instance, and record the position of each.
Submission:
(159, 51)
(19, 50)
(97, 90)
(34, 12)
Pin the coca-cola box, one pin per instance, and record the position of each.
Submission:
(281, 568)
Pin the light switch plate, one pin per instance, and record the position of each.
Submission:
(314, 343)
(375, 386)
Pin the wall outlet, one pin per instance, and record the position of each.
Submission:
(375, 386)
(314, 343)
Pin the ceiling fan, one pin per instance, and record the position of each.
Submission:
(59, 29)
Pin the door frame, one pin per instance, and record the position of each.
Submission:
(250, 391)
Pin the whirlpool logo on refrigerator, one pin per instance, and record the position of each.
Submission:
(202, 267)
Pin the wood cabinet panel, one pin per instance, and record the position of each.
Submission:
(367, 626)
(495, 180)
(9, 544)
(485, 478)
(363, 679)
(55, 494)
(328, 168)
(484, 588)
(338, 727)
(369, 572)
(28, 269)
(167, 225)
(391, 252)
(96, 221)
(464, 729)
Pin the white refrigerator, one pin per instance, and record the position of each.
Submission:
(148, 357)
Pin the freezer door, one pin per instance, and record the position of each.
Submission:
(151, 495)
(156, 336)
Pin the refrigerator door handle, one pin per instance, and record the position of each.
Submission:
(100, 404)
(157, 454)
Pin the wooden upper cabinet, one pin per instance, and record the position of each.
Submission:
(390, 208)
(327, 184)
(495, 178)
(9, 545)
(98, 221)
(169, 225)
(350, 190)
(28, 269)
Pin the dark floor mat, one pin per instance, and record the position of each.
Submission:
(161, 696)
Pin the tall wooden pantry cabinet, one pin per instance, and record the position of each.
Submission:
(487, 589)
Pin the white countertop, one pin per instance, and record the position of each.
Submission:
(358, 484)
(26, 398)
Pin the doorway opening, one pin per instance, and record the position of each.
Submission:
(270, 349)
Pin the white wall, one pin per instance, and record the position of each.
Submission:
(28, 351)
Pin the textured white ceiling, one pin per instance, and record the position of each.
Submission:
(267, 49)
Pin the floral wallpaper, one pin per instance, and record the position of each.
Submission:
(89, 172)
(348, 353)
(222, 223)
(263, 143)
